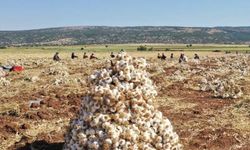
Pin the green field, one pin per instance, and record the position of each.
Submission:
(129, 47)
(103, 50)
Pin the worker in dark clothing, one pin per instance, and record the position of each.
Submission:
(56, 57)
(196, 56)
(172, 56)
(163, 57)
(112, 55)
(85, 55)
(73, 56)
(92, 56)
(181, 58)
(159, 56)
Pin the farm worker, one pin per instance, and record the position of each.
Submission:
(163, 57)
(112, 55)
(196, 56)
(182, 58)
(85, 55)
(92, 56)
(73, 56)
(56, 57)
(159, 56)
(172, 56)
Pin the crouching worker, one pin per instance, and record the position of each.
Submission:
(172, 56)
(159, 56)
(183, 58)
(85, 55)
(92, 56)
(196, 56)
(163, 57)
(56, 57)
(112, 55)
(73, 56)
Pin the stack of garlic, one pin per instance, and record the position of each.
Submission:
(59, 71)
(118, 113)
(226, 89)
(4, 82)
(57, 68)
(2, 72)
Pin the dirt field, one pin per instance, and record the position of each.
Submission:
(38, 103)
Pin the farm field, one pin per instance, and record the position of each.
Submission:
(207, 101)
(133, 47)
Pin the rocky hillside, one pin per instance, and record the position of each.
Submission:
(112, 35)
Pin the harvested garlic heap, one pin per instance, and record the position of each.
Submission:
(4, 82)
(226, 89)
(59, 71)
(118, 113)
(2, 72)
(57, 68)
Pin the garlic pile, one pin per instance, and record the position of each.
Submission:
(4, 82)
(226, 88)
(117, 113)
(56, 68)
(2, 72)
(27, 62)
(32, 79)
(221, 87)
(224, 76)
(59, 71)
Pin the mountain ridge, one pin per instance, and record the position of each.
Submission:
(72, 35)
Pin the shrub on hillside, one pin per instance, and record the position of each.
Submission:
(151, 49)
(217, 50)
(142, 48)
(3, 47)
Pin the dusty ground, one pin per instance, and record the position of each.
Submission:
(201, 120)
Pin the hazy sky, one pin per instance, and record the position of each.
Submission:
(32, 14)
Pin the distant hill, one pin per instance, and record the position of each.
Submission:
(115, 35)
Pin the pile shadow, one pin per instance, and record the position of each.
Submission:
(42, 145)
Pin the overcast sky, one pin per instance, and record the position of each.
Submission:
(34, 14)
